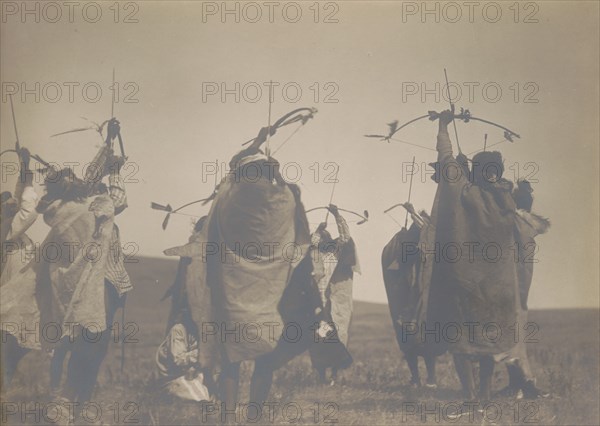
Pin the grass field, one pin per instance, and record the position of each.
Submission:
(373, 391)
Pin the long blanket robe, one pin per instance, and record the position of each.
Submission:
(407, 277)
(527, 227)
(333, 275)
(474, 285)
(17, 247)
(191, 283)
(341, 284)
(255, 235)
(61, 291)
(400, 264)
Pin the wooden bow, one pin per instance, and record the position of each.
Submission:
(364, 217)
(294, 116)
(465, 115)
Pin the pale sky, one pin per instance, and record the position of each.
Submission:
(367, 58)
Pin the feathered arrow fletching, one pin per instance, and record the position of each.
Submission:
(160, 207)
(170, 210)
(94, 126)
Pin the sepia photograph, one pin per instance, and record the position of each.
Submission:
(349, 212)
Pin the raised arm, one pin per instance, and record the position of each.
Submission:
(343, 230)
(316, 236)
(26, 215)
(27, 198)
(444, 146)
(450, 169)
(416, 217)
(116, 190)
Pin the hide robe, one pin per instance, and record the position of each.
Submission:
(61, 291)
(474, 296)
(255, 235)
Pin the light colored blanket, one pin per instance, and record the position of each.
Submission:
(62, 289)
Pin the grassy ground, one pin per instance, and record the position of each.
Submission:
(373, 391)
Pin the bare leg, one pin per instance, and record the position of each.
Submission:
(94, 354)
(230, 384)
(322, 375)
(89, 351)
(83, 367)
(430, 364)
(413, 364)
(262, 380)
(75, 368)
(464, 369)
(56, 366)
(486, 370)
(10, 356)
(267, 364)
(209, 381)
(516, 378)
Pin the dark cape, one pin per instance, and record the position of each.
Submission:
(407, 277)
(474, 295)
(527, 227)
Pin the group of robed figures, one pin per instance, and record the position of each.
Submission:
(458, 279)
(253, 283)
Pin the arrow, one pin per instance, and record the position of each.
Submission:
(412, 173)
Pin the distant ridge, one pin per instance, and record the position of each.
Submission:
(163, 268)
